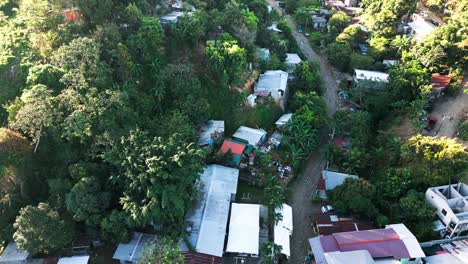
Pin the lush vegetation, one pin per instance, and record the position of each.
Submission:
(394, 171)
(101, 112)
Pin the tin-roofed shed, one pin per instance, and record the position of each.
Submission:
(207, 220)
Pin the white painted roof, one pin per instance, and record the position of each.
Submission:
(411, 243)
(251, 135)
(274, 27)
(283, 119)
(283, 229)
(420, 27)
(357, 256)
(210, 127)
(209, 216)
(333, 179)
(74, 260)
(390, 62)
(171, 17)
(271, 82)
(12, 253)
(370, 75)
(244, 229)
(292, 58)
(443, 259)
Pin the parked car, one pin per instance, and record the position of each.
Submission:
(299, 29)
(431, 122)
(327, 208)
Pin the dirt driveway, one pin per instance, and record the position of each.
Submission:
(449, 111)
(303, 188)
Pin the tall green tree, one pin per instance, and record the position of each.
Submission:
(87, 201)
(157, 176)
(41, 230)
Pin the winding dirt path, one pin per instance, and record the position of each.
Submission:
(303, 188)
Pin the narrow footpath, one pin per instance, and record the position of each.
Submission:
(303, 188)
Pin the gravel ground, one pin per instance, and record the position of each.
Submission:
(303, 188)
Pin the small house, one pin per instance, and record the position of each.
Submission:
(370, 79)
(273, 84)
(74, 260)
(283, 120)
(236, 148)
(439, 83)
(329, 180)
(393, 244)
(292, 59)
(13, 255)
(207, 220)
(252, 136)
(244, 229)
(419, 28)
(211, 130)
(318, 22)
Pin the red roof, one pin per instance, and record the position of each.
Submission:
(440, 81)
(235, 148)
(379, 242)
(72, 15)
(199, 258)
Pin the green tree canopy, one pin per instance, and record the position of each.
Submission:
(157, 176)
(41, 230)
(87, 201)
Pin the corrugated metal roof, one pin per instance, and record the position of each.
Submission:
(209, 216)
(292, 58)
(283, 119)
(131, 251)
(13, 253)
(370, 75)
(272, 82)
(333, 179)
(250, 135)
(209, 128)
(74, 260)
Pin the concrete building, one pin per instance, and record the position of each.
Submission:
(451, 202)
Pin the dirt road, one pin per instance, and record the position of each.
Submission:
(449, 111)
(303, 188)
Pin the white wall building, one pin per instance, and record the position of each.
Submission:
(451, 202)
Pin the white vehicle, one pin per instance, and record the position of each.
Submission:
(327, 208)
